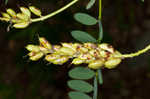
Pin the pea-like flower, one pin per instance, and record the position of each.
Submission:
(95, 55)
(21, 19)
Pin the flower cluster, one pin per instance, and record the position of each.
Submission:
(95, 55)
(21, 19)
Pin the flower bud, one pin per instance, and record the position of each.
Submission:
(37, 56)
(25, 11)
(103, 53)
(11, 12)
(106, 47)
(90, 45)
(65, 51)
(35, 11)
(78, 61)
(85, 56)
(44, 50)
(15, 20)
(96, 64)
(90, 60)
(5, 15)
(33, 48)
(51, 57)
(21, 25)
(77, 46)
(4, 19)
(83, 50)
(112, 63)
(22, 16)
(45, 43)
(56, 47)
(61, 60)
(69, 45)
(31, 54)
(94, 53)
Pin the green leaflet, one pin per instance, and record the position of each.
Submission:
(81, 73)
(82, 36)
(78, 95)
(85, 19)
(80, 85)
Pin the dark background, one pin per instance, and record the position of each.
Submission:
(126, 26)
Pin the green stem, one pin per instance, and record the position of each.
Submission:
(100, 10)
(100, 31)
(95, 88)
(54, 13)
(100, 23)
(134, 54)
(100, 76)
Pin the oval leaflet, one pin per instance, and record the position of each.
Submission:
(81, 73)
(78, 95)
(85, 19)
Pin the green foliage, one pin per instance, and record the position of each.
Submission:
(78, 72)
(90, 4)
(78, 95)
(80, 85)
(82, 36)
(81, 73)
(85, 19)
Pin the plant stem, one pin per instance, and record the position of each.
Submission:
(100, 10)
(54, 13)
(100, 23)
(100, 31)
(135, 54)
(100, 76)
(95, 88)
